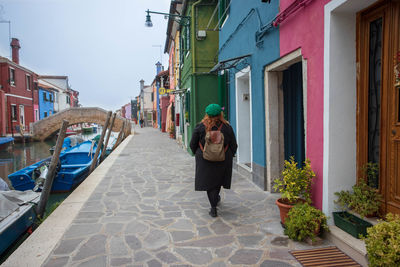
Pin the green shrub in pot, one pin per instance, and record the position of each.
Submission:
(363, 200)
(295, 182)
(383, 242)
(305, 221)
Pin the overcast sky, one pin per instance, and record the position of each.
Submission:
(101, 45)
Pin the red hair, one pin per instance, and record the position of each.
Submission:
(210, 122)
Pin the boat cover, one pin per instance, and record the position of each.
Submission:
(11, 200)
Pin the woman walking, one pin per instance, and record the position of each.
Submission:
(215, 171)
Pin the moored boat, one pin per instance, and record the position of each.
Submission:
(17, 214)
(73, 168)
(5, 141)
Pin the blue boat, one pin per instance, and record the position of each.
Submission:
(17, 214)
(5, 141)
(72, 170)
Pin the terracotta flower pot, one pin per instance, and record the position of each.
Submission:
(285, 207)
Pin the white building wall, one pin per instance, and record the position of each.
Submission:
(60, 82)
(340, 98)
(62, 101)
(148, 104)
(61, 85)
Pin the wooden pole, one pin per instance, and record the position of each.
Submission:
(48, 183)
(94, 160)
(103, 152)
(21, 132)
(129, 127)
(122, 132)
(119, 136)
(126, 129)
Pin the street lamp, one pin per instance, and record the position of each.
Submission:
(148, 22)
(182, 20)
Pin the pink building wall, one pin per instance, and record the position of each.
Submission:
(305, 30)
(128, 111)
(35, 108)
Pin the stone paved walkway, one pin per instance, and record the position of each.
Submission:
(146, 213)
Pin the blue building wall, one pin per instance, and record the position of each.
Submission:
(238, 38)
(46, 104)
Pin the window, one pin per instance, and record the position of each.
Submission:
(50, 97)
(14, 116)
(68, 100)
(12, 76)
(36, 115)
(223, 13)
(185, 44)
(187, 39)
(28, 82)
(44, 96)
(45, 114)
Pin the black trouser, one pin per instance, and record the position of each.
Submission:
(213, 196)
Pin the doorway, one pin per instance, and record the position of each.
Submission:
(292, 85)
(378, 97)
(243, 118)
(22, 116)
(285, 112)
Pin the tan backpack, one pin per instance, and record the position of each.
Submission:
(213, 149)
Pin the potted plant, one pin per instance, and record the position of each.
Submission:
(294, 186)
(171, 131)
(371, 172)
(383, 242)
(363, 200)
(305, 221)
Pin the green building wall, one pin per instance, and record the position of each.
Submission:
(196, 65)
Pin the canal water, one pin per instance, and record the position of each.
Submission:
(17, 156)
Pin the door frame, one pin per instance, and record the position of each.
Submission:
(239, 75)
(22, 115)
(380, 9)
(274, 138)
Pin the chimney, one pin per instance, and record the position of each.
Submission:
(158, 64)
(141, 84)
(15, 50)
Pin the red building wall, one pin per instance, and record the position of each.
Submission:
(3, 117)
(18, 94)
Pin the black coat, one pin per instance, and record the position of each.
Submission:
(211, 174)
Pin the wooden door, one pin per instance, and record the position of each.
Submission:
(378, 113)
(393, 186)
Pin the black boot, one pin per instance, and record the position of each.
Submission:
(213, 212)
(219, 199)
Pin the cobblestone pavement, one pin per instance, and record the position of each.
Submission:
(145, 212)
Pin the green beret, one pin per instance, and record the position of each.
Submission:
(213, 110)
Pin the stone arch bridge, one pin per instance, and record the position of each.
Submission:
(47, 126)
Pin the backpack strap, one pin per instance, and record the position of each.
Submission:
(201, 146)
